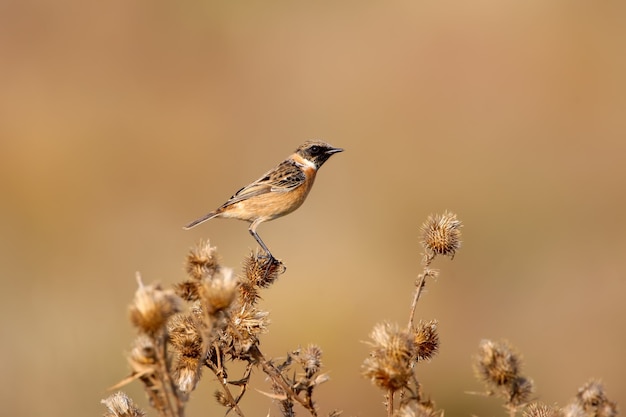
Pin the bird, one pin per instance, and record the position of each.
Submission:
(276, 193)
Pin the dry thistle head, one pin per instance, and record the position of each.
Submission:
(184, 335)
(499, 367)
(120, 405)
(262, 271)
(219, 292)
(258, 272)
(248, 324)
(202, 261)
(389, 363)
(310, 358)
(426, 339)
(152, 306)
(441, 234)
(187, 290)
(187, 373)
(222, 399)
(187, 345)
(143, 353)
(591, 401)
(497, 364)
(418, 410)
(541, 410)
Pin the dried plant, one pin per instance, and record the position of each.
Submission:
(209, 321)
(395, 351)
(591, 401)
(542, 410)
(212, 319)
(119, 405)
(498, 365)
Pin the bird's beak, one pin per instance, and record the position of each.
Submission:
(334, 150)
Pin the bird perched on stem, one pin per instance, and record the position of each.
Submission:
(278, 192)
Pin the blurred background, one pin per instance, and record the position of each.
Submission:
(122, 121)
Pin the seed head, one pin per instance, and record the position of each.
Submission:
(262, 271)
(426, 339)
(499, 366)
(120, 405)
(311, 359)
(389, 363)
(143, 353)
(441, 234)
(187, 372)
(248, 324)
(219, 292)
(418, 410)
(184, 335)
(202, 261)
(541, 410)
(592, 399)
(187, 290)
(152, 306)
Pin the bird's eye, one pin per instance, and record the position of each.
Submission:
(315, 149)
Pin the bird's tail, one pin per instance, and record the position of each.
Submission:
(202, 219)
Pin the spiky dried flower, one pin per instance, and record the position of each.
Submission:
(591, 394)
(187, 290)
(592, 399)
(426, 339)
(222, 399)
(262, 271)
(389, 363)
(441, 234)
(541, 410)
(497, 363)
(143, 353)
(499, 366)
(202, 261)
(186, 342)
(248, 324)
(520, 391)
(152, 306)
(248, 292)
(187, 373)
(418, 410)
(184, 335)
(219, 292)
(310, 358)
(120, 405)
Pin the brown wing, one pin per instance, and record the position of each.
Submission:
(285, 177)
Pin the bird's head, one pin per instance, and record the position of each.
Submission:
(317, 152)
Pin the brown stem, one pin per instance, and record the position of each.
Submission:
(229, 396)
(512, 411)
(390, 403)
(421, 281)
(418, 290)
(278, 378)
(168, 385)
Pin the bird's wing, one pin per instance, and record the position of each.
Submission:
(285, 177)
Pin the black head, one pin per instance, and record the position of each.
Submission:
(317, 152)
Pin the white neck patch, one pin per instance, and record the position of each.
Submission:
(303, 162)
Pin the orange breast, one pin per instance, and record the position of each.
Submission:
(273, 204)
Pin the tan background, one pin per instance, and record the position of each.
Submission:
(121, 121)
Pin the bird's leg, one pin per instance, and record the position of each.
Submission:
(268, 255)
(254, 234)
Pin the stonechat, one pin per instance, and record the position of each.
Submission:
(278, 192)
